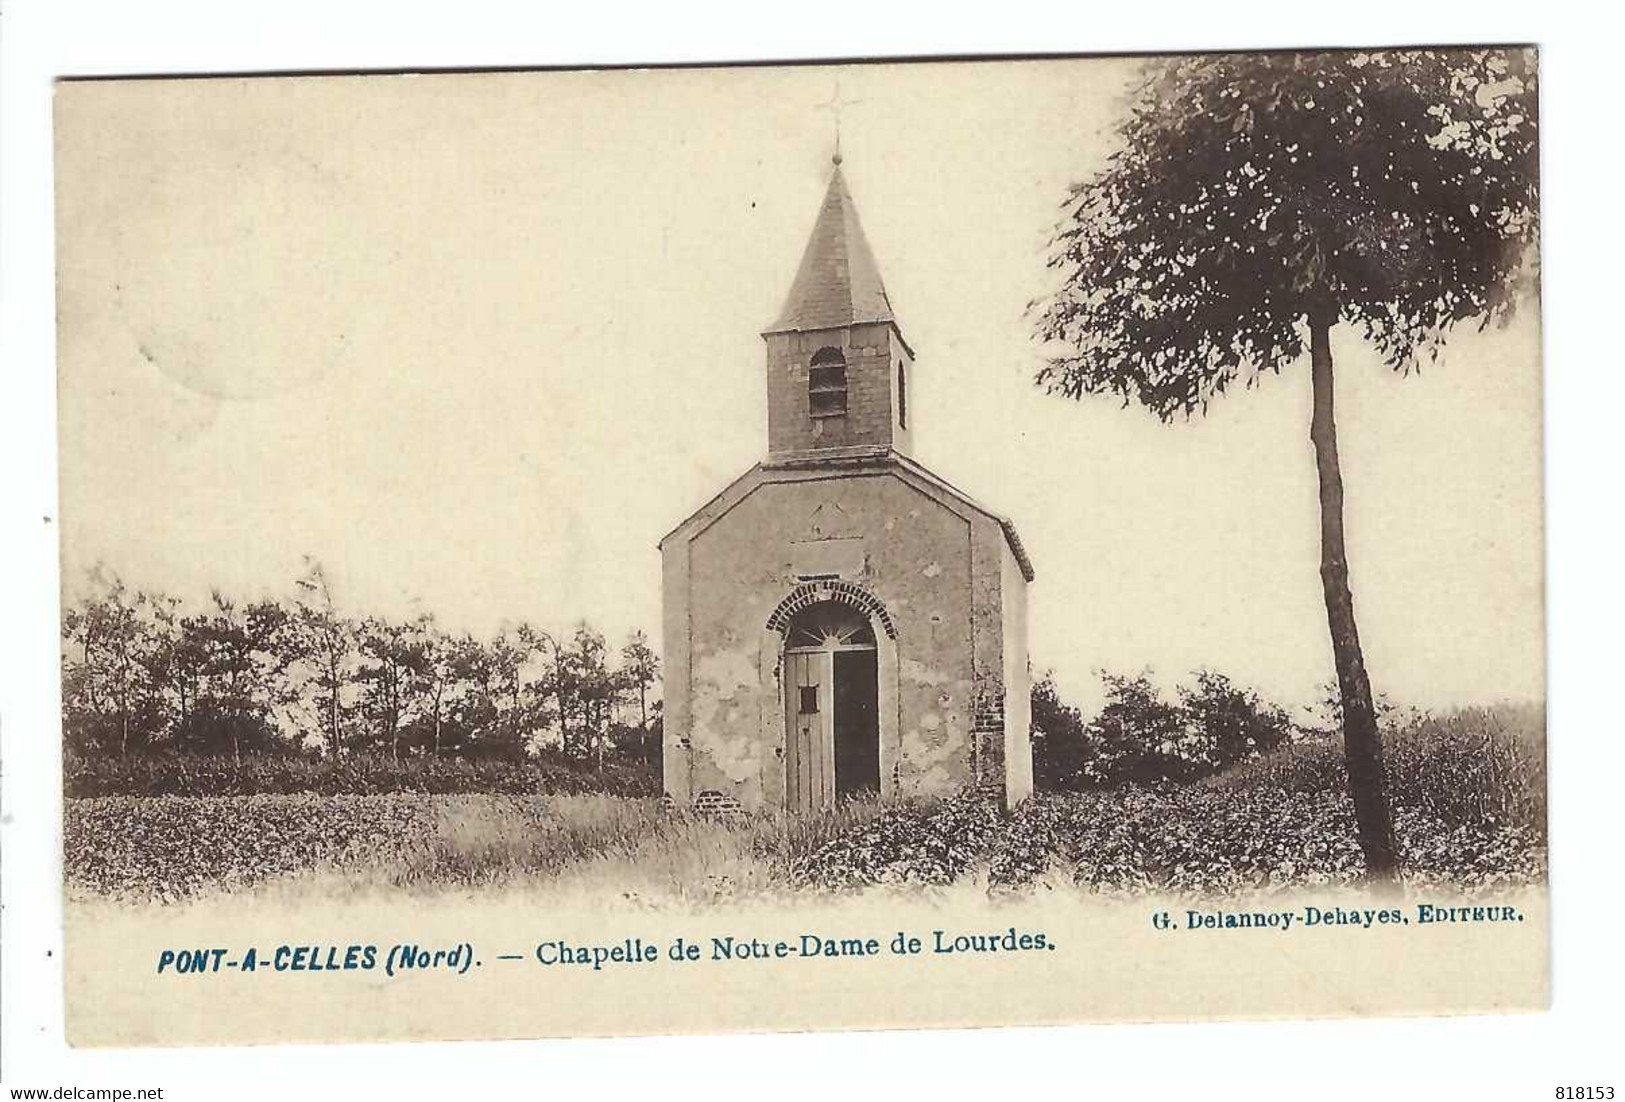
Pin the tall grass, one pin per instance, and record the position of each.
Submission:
(1468, 767)
(625, 846)
(1476, 765)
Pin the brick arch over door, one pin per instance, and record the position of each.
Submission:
(774, 721)
(846, 593)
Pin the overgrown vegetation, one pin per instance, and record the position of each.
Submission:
(1469, 792)
(1471, 767)
(1469, 795)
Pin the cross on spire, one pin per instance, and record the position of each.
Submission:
(834, 105)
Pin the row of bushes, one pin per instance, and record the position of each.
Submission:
(1140, 736)
(181, 774)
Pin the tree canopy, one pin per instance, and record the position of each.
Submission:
(142, 674)
(1395, 190)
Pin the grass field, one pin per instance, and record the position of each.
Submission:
(1468, 792)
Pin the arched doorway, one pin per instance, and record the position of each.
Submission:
(831, 704)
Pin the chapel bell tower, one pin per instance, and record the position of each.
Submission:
(838, 622)
(837, 364)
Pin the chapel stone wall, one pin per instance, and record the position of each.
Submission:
(916, 561)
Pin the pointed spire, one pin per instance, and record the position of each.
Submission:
(838, 283)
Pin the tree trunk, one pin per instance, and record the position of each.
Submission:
(236, 725)
(643, 719)
(1362, 743)
(515, 737)
(558, 695)
(333, 722)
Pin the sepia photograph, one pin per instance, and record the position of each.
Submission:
(818, 546)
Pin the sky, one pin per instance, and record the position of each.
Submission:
(476, 342)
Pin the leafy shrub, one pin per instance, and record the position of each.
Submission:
(1235, 722)
(1059, 749)
(911, 842)
(1139, 737)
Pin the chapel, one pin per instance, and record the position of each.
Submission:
(839, 621)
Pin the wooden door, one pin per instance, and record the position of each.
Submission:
(857, 724)
(809, 730)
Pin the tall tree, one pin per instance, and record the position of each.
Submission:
(1256, 201)
(640, 668)
(325, 640)
(560, 682)
(112, 693)
(515, 700)
(594, 687)
(391, 666)
(453, 674)
(181, 668)
(245, 662)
